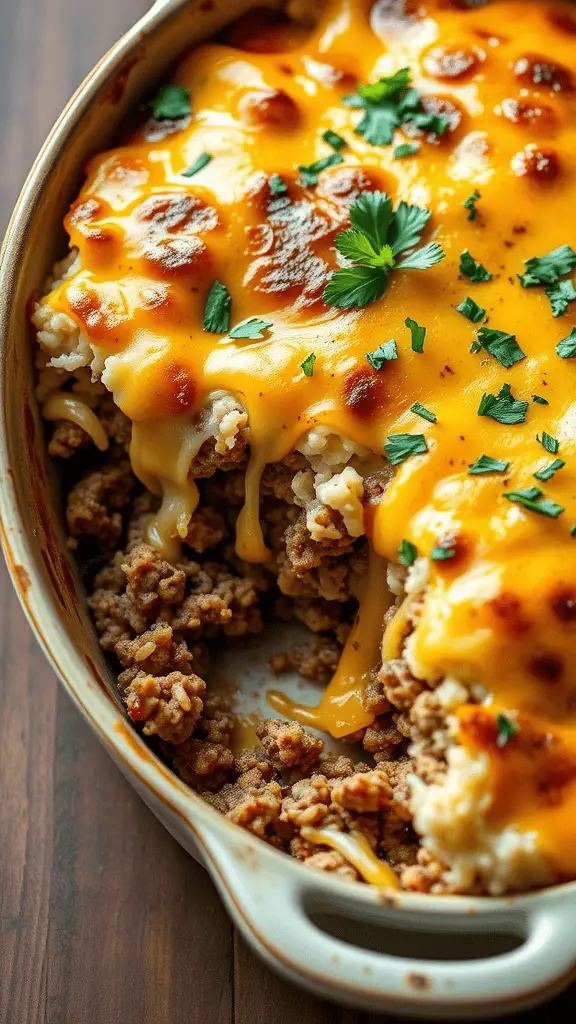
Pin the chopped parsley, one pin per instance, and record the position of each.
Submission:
(309, 173)
(406, 149)
(470, 204)
(198, 164)
(383, 354)
(475, 347)
(388, 104)
(560, 295)
(277, 185)
(502, 346)
(471, 310)
(308, 364)
(551, 444)
(217, 309)
(251, 329)
(531, 499)
(573, 531)
(548, 269)
(539, 400)
(566, 348)
(425, 413)
(473, 270)
(418, 334)
(506, 730)
(171, 101)
(334, 140)
(487, 465)
(548, 472)
(400, 447)
(378, 236)
(407, 553)
(503, 407)
(442, 554)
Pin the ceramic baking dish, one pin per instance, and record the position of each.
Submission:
(419, 955)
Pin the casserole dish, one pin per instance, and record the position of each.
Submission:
(282, 910)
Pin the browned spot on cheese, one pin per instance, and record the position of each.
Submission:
(447, 62)
(563, 603)
(547, 667)
(537, 163)
(508, 610)
(538, 117)
(365, 393)
(262, 108)
(543, 72)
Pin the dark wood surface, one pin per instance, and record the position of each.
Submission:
(103, 918)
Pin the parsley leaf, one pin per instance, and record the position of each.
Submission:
(408, 224)
(425, 413)
(383, 354)
(217, 309)
(502, 346)
(503, 407)
(470, 204)
(475, 347)
(506, 730)
(400, 447)
(418, 334)
(388, 104)
(308, 364)
(334, 140)
(551, 444)
(406, 149)
(566, 348)
(198, 164)
(548, 471)
(531, 499)
(407, 553)
(539, 400)
(548, 269)
(358, 247)
(423, 258)
(355, 286)
(309, 173)
(487, 465)
(171, 101)
(277, 185)
(372, 214)
(471, 310)
(442, 554)
(473, 270)
(560, 295)
(251, 329)
(384, 88)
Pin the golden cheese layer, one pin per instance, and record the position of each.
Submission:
(502, 611)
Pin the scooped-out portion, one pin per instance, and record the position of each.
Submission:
(312, 357)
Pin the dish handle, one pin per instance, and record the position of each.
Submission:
(401, 953)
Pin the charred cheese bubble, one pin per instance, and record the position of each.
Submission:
(497, 608)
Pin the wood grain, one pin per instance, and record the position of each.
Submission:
(103, 918)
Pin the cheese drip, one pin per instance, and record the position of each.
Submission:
(62, 406)
(355, 848)
(341, 710)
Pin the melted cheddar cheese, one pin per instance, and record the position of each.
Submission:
(502, 611)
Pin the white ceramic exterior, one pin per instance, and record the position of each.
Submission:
(396, 952)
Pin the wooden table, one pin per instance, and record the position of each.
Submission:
(103, 918)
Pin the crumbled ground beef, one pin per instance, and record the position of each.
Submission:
(94, 504)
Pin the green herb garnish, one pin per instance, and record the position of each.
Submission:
(506, 730)
(405, 149)
(475, 347)
(502, 346)
(566, 348)
(388, 104)
(471, 310)
(531, 499)
(399, 447)
(487, 465)
(470, 204)
(560, 295)
(425, 413)
(548, 472)
(308, 364)
(217, 309)
(548, 269)
(539, 400)
(309, 173)
(551, 444)
(503, 407)
(376, 239)
(442, 554)
(277, 185)
(383, 354)
(418, 334)
(407, 553)
(198, 164)
(473, 270)
(334, 140)
(171, 101)
(251, 329)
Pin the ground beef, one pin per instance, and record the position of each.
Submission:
(288, 745)
(169, 706)
(317, 659)
(67, 439)
(94, 504)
